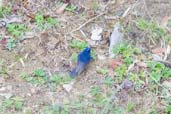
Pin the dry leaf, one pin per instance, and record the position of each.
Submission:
(141, 64)
(96, 33)
(34, 90)
(101, 57)
(116, 62)
(156, 57)
(164, 21)
(158, 50)
(31, 15)
(61, 9)
(68, 87)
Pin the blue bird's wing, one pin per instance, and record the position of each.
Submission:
(78, 69)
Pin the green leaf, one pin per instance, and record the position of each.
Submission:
(19, 105)
(8, 103)
(108, 81)
(78, 44)
(102, 71)
(11, 44)
(39, 72)
(4, 11)
(95, 90)
(56, 79)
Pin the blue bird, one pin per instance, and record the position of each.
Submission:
(83, 60)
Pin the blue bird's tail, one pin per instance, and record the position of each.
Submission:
(78, 69)
(73, 73)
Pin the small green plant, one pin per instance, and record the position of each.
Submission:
(108, 81)
(93, 54)
(11, 44)
(95, 90)
(137, 78)
(39, 19)
(45, 23)
(121, 72)
(39, 72)
(51, 21)
(71, 8)
(4, 11)
(52, 109)
(169, 23)
(95, 5)
(130, 107)
(127, 52)
(78, 44)
(7, 103)
(15, 102)
(117, 110)
(158, 71)
(151, 28)
(56, 79)
(18, 102)
(38, 77)
(3, 69)
(16, 30)
(60, 79)
(154, 111)
(33, 80)
(168, 109)
(26, 77)
(103, 71)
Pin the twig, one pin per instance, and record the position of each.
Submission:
(147, 11)
(90, 20)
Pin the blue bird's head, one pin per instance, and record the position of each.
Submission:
(87, 50)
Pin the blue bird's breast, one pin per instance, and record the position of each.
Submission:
(85, 58)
